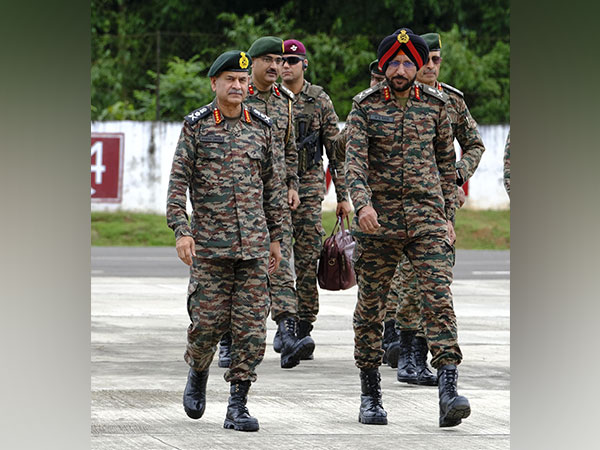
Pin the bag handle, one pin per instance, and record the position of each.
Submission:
(340, 223)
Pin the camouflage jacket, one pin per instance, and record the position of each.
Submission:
(400, 160)
(279, 108)
(234, 190)
(314, 102)
(464, 129)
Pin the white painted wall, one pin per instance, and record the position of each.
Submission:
(149, 148)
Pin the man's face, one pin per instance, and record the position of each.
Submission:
(429, 73)
(376, 78)
(230, 87)
(401, 73)
(292, 69)
(266, 68)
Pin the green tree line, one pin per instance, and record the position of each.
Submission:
(150, 58)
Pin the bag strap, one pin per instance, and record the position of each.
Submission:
(340, 223)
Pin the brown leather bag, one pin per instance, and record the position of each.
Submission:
(336, 271)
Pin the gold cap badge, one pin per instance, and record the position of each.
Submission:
(243, 61)
(403, 37)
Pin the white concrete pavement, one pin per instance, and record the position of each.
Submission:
(138, 332)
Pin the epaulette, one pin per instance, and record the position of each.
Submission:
(364, 94)
(453, 89)
(440, 95)
(287, 92)
(314, 91)
(262, 116)
(195, 116)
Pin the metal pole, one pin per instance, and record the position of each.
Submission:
(157, 75)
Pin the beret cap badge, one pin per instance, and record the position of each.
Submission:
(243, 60)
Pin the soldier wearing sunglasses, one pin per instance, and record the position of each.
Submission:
(315, 123)
(409, 352)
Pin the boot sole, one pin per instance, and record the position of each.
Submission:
(193, 414)
(230, 425)
(409, 380)
(301, 352)
(372, 420)
(455, 415)
(420, 382)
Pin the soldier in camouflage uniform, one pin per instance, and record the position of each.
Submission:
(507, 164)
(400, 170)
(409, 351)
(224, 158)
(315, 127)
(276, 101)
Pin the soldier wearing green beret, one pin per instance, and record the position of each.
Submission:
(377, 76)
(224, 159)
(409, 352)
(275, 101)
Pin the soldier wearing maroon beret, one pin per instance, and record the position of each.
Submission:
(315, 125)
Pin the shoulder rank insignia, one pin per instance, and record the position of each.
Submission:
(218, 116)
(451, 88)
(440, 95)
(364, 94)
(247, 116)
(251, 89)
(277, 93)
(195, 116)
(263, 117)
(386, 93)
(417, 92)
(286, 91)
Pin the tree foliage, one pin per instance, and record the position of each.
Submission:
(134, 42)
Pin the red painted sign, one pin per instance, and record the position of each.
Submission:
(107, 166)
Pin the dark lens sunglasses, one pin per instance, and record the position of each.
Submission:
(436, 59)
(292, 60)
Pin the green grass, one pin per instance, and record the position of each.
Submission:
(474, 229)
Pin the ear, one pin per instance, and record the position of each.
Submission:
(213, 83)
(304, 64)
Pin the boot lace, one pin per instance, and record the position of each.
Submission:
(290, 326)
(374, 388)
(450, 377)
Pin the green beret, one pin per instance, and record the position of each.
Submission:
(233, 60)
(434, 42)
(374, 69)
(266, 44)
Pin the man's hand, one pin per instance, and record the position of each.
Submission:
(274, 256)
(293, 199)
(367, 219)
(342, 209)
(451, 232)
(462, 198)
(186, 248)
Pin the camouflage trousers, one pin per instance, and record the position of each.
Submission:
(403, 301)
(228, 295)
(281, 283)
(375, 262)
(308, 240)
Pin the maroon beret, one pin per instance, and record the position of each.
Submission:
(294, 47)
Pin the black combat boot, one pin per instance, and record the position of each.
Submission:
(293, 349)
(407, 372)
(194, 395)
(277, 342)
(424, 376)
(304, 329)
(453, 407)
(225, 350)
(371, 408)
(391, 343)
(238, 417)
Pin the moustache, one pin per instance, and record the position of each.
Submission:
(236, 91)
(274, 72)
(400, 78)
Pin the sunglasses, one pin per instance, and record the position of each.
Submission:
(292, 60)
(405, 64)
(436, 59)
